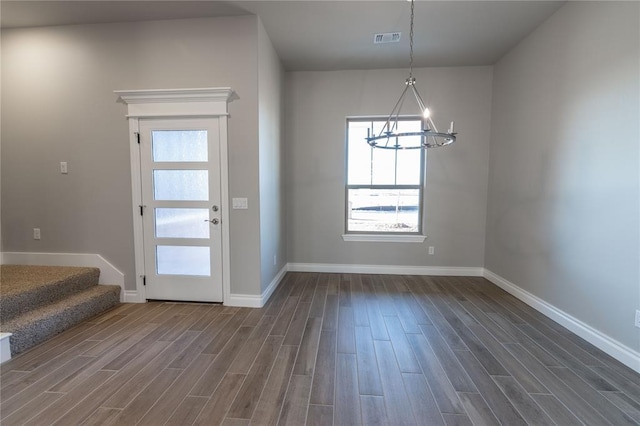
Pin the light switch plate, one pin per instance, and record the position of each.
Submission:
(239, 203)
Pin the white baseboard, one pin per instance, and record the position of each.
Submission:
(5, 348)
(622, 353)
(131, 296)
(251, 301)
(240, 300)
(386, 269)
(109, 274)
(244, 301)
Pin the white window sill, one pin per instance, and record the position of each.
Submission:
(384, 238)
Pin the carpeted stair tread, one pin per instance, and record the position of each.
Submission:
(38, 325)
(27, 287)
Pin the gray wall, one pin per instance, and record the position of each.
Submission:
(270, 115)
(563, 211)
(317, 104)
(58, 105)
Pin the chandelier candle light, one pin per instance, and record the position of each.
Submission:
(429, 136)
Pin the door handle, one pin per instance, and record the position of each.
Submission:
(215, 221)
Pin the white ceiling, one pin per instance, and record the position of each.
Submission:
(329, 35)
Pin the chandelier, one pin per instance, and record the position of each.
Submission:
(391, 136)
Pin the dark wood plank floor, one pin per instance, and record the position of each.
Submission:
(341, 349)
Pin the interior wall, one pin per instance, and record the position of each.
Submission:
(1, 249)
(58, 105)
(270, 114)
(317, 105)
(563, 216)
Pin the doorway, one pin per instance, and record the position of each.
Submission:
(179, 181)
(180, 175)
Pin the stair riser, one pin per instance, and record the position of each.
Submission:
(42, 329)
(14, 305)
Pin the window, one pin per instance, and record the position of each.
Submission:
(384, 186)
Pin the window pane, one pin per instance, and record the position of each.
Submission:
(383, 210)
(409, 167)
(179, 145)
(182, 223)
(181, 185)
(183, 260)
(367, 166)
(359, 154)
(384, 166)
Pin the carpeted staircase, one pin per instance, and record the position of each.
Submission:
(38, 302)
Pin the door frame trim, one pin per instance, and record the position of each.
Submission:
(177, 103)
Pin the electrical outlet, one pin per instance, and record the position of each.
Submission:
(432, 250)
(63, 167)
(637, 318)
(36, 233)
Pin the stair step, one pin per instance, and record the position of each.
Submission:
(28, 287)
(40, 324)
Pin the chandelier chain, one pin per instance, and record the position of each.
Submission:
(411, 44)
(390, 134)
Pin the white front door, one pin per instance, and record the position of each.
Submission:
(180, 175)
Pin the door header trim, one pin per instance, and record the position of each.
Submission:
(201, 102)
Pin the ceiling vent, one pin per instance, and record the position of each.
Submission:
(386, 37)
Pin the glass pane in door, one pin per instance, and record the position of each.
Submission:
(183, 260)
(181, 185)
(179, 145)
(182, 223)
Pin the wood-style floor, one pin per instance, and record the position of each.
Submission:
(327, 349)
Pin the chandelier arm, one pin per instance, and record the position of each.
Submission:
(395, 111)
(397, 116)
(421, 104)
(432, 125)
(393, 131)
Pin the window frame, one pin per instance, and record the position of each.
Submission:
(384, 235)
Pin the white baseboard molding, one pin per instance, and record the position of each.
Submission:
(251, 301)
(5, 348)
(244, 301)
(622, 353)
(240, 300)
(386, 269)
(109, 274)
(131, 296)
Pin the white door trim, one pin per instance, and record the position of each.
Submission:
(177, 103)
